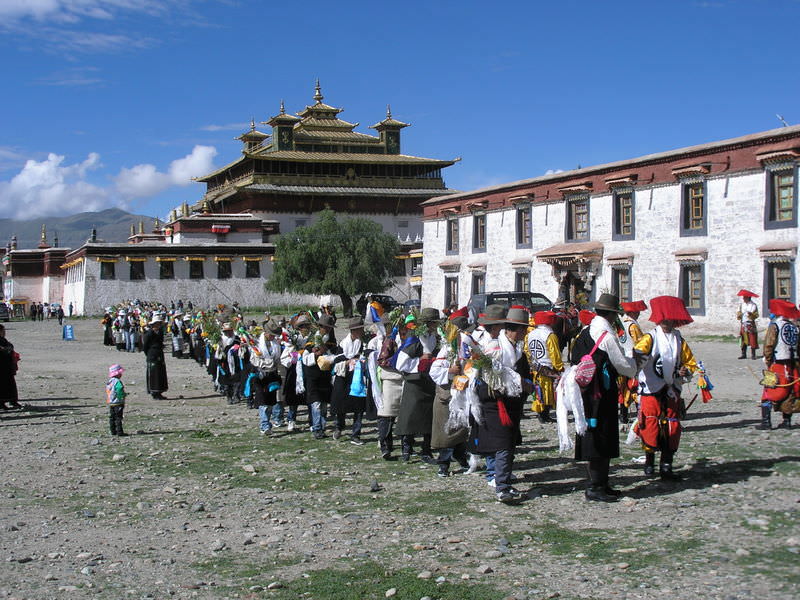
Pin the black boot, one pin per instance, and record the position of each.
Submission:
(786, 423)
(649, 464)
(665, 467)
(407, 442)
(744, 353)
(599, 494)
(112, 423)
(753, 353)
(766, 419)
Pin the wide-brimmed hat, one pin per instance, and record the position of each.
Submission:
(746, 294)
(227, 327)
(356, 323)
(669, 308)
(608, 302)
(494, 314)
(637, 306)
(545, 317)
(272, 327)
(428, 314)
(783, 308)
(326, 321)
(302, 321)
(517, 316)
(157, 318)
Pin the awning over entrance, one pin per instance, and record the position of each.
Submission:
(574, 268)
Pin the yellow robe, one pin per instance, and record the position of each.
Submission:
(543, 381)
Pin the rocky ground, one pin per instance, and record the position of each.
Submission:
(196, 504)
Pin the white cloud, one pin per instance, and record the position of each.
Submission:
(553, 171)
(145, 180)
(72, 11)
(50, 187)
(78, 76)
(226, 127)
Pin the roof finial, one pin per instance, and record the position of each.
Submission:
(388, 111)
(44, 233)
(318, 93)
(252, 124)
(283, 109)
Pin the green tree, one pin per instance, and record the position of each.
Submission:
(346, 258)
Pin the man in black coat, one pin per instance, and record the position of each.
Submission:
(156, 367)
(600, 443)
(8, 371)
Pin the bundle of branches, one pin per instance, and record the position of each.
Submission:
(211, 328)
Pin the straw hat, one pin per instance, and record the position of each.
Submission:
(495, 314)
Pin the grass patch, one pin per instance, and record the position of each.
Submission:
(234, 567)
(370, 580)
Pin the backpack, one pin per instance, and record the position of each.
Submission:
(585, 369)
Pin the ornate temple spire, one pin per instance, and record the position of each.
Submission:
(43, 241)
(283, 108)
(318, 93)
(388, 111)
(141, 226)
(55, 240)
(252, 124)
(206, 207)
(133, 230)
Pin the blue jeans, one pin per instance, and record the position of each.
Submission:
(277, 414)
(291, 413)
(503, 463)
(263, 416)
(490, 466)
(318, 411)
(130, 340)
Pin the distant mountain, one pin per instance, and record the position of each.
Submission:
(113, 225)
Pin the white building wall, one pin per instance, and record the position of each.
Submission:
(735, 225)
(90, 295)
(390, 223)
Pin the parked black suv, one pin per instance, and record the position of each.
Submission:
(533, 301)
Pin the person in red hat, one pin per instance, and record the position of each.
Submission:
(628, 336)
(546, 365)
(781, 352)
(747, 315)
(666, 362)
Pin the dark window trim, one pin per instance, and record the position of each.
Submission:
(229, 274)
(448, 239)
(766, 292)
(103, 267)
(770, 222)
(684, 229)
(161, 267)
(475, 248)
(475, 277)
(518, 227)
(447, 278)
(683, 291)
(517, 274)
(616, 230)
(131, 269)
(255, 265)
(615, 288)
(569, 235)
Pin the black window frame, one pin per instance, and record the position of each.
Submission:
(769, 288)
(616, 272)
(616, 232)
(478, 278)
(448, 296)
(166, 269)
(136, 271)
(524, 210)
(683, 287)
(685, 229)
(224, 272)
(569, 226)
(452, 232)
(518, 276)
(252, 269)
(770, 209)
(192, 269)
(477, 220)
(105, 266)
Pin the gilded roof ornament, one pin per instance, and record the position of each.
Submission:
(318, 93)
(44, 233)
(141, 226)
(252, 124)
(283, 108)
(388, 111)
(206, 207)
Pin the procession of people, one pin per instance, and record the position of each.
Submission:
(448, 390)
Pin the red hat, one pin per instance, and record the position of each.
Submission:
(630, 307)
(746, 294)
(519, 306)
(545, 317)
(783, 308)
(461, 312)
(586, 316)
(669, 308)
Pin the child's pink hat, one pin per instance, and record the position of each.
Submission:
(115, 370)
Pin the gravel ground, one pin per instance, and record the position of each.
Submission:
(196, 504)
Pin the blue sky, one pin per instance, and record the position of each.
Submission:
(121, 102)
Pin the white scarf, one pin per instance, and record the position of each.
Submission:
(745, 308)
(570, 399)
(665, 345)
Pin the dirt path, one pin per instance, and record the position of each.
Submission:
(195, 503)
